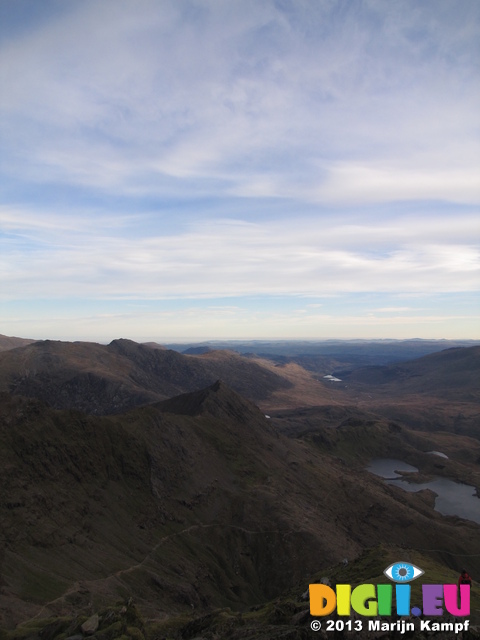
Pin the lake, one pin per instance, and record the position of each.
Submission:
(387, 467)
(453, 498)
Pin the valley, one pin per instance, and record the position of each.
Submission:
(149, 486)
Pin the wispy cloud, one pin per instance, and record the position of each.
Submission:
(236, 258)
(326, 103)
(199, 149)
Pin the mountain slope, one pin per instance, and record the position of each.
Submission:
(438, 392)
(102, 379)
(11, 342)
(452, 372)
(192, 502)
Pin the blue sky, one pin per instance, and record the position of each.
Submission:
(189, 169)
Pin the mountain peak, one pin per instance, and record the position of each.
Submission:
(123, 344)
(217, 400)
(218, 386)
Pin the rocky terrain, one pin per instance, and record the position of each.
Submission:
(195, 515)
(105, 379)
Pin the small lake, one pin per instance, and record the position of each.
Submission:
(387, 468)
(453, 498)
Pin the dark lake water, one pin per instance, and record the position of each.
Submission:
(386, 467)
(453, 498)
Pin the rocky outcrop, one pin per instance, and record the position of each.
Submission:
(110, 379)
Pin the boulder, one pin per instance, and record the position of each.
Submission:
(91, 625)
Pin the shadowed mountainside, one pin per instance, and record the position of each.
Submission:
(195, 501)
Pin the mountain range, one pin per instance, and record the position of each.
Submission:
(104, 379)
(136, 487)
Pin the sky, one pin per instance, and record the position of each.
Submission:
(232, 169)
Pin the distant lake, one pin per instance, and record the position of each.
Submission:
(453, 498)
(386, 467)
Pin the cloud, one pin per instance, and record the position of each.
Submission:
(195, 149)
(235, 258)
(363, 183)
(323, 102)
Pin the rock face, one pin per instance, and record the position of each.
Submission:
(217, 400)
(91, 625)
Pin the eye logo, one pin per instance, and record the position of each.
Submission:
(403, 572)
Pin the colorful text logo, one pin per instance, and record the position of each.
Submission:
(377, 600)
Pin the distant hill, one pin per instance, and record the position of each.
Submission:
(316, 353)
(188, 505)
(102, 379)
(197, 351)
(452, 372)
(9, 342)
(435, 393)
(154, 345)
